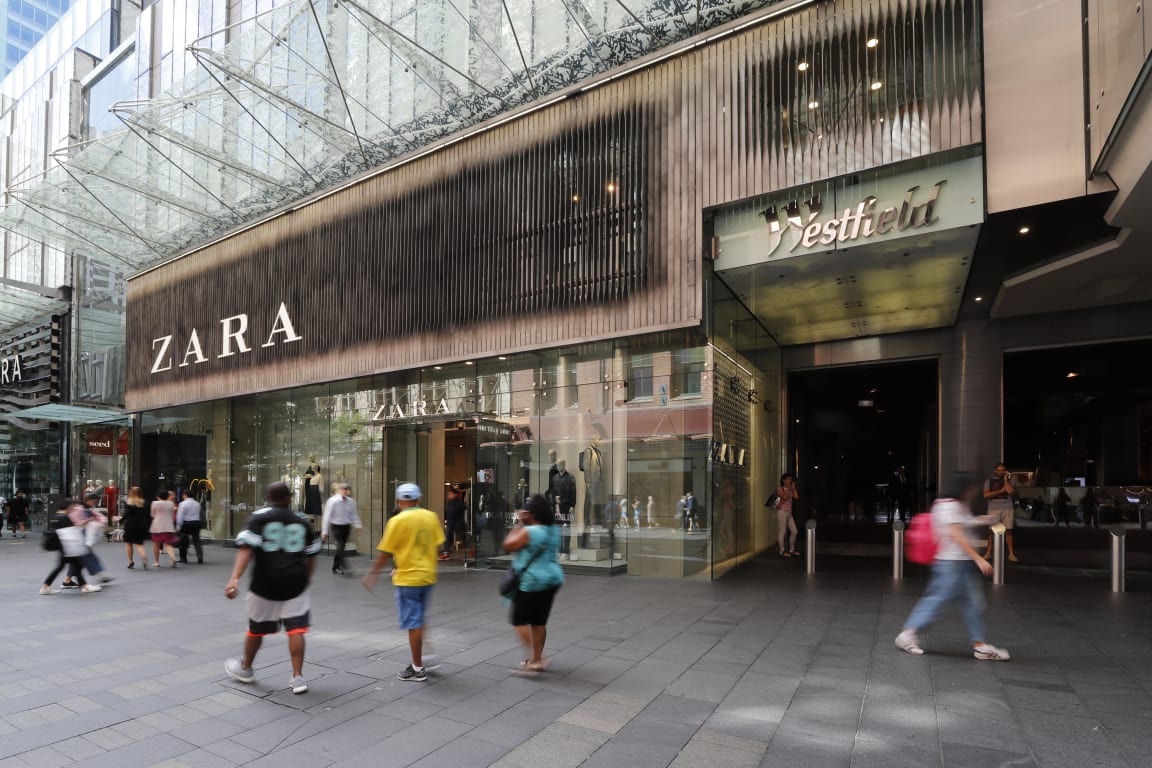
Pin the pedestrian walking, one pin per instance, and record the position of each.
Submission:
(281, 546)
(411, 539)
(339, 517)
(162, 531)
(535, 540)
(64, 560)
(956, 571)
(75, 543)
(188, 525)
(18, 515)
(454, 514)
(785, 522)
(135, 522)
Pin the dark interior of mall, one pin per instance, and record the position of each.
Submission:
(864, 440)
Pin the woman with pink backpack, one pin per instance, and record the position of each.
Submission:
(956, 572)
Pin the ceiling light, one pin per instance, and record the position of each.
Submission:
(575, 198)
(978, 298)
(877, 85)
(813, 104)
(468, 362)
(872, 42)
(502, 357)
(438, 367)
(1071, 375)
(611, 187)
(1025, 230)
(802, 66)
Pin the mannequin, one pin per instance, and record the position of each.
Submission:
(562, 493)
(652, 513)
(592, 465)
(111, 497)
(313, 483)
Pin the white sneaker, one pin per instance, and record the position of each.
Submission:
(988, 652)
(235, 668)
(298, 685)
(91, 588)
(909, 641)
(47, 590)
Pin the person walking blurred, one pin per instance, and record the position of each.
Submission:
(956, 572)
(163, 529)
(339, 517)
(535, 540)
(282, 547)
(188, 525)
(135, 523)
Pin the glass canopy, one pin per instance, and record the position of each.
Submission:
(312, 92)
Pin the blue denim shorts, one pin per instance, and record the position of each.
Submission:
(411, 602)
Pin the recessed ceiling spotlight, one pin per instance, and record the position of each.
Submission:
(468, 362)
(813, 104)
(575, 198)
(1025, 230)
(438, 367)
(872, 42)
(877, 85)
(978, 298)
(1071, 375)
(502, 357)
(611, 187)
(802, 66)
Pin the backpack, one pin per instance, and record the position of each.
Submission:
(920, 542)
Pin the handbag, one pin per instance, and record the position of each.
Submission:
(510, 580)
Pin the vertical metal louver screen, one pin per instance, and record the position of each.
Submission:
(584, 220)
(848, 86)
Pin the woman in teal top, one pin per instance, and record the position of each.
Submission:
(535, 540)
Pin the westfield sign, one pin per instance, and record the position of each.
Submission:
(807, 225)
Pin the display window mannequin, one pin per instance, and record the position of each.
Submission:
(313, 485)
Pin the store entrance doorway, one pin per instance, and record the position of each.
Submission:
(484, 461)
(864, 443)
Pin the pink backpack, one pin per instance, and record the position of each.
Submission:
(920, 542)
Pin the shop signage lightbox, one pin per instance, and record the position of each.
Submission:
(843, 213)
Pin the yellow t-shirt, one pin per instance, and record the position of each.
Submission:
(413, 537)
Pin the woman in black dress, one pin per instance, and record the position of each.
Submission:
(137, 520)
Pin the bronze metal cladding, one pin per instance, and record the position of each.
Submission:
(583, 220)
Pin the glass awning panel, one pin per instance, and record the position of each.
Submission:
(309, 93)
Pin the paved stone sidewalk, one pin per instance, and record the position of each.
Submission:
(765, 667)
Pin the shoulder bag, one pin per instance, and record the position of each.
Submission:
(510, 580)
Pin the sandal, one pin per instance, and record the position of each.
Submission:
(539, 666)
(526, 669)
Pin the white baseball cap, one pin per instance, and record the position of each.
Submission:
(408, 492)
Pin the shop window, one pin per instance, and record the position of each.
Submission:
(687, 372)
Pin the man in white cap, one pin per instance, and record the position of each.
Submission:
(412, 538)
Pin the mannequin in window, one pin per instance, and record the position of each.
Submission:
(93, 486)
(562, 493)
(592, 465)
(313, 482)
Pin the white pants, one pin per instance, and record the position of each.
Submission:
(784, 525)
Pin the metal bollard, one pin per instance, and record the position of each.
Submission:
(998, 553)
(898, 549)
(1117, 532)
(810, 550)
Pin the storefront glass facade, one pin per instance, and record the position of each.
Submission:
(621, 436)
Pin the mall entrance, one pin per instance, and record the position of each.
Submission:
(864, 444)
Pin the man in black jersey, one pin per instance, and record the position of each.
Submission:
(282, 545)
